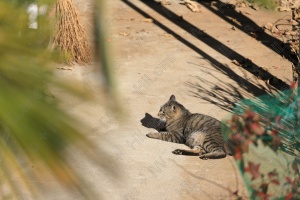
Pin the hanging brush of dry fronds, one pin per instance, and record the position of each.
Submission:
(70, 37)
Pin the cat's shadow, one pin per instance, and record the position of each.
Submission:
(152, 122)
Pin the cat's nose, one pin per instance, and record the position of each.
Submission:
(158, 114)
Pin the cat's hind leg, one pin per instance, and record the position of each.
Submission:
(195, 151)
(213, 155)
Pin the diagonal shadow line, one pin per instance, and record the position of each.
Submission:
(218, 94)
(247, 26)
(224, 86)
(202, 178)
(215, 97)
(251, 88)
(207, 39)
(220, 186)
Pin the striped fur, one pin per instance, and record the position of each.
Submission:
(200, 132)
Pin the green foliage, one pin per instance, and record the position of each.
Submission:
(264, 134)
(33, 127)
(103, 54)
(268, 4)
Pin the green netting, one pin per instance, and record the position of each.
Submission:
(264, 135)
(277, 112)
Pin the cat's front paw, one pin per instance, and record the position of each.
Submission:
(154, 135)
(203, 157)
(178, 151)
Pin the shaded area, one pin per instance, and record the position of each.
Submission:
(223, 94)
(151, 122)
(197, 88)
(213, 183)
(246, 25)
(208, 40)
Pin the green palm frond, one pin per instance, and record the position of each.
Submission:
(33, 126)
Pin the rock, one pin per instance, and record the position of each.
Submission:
(254, 7)
(123, 34)
(296, 13)
(240, 4)
(294, 33)
(236, 62)
(163, 2)
(148, 20)
(193, 6)
(294, 22)
(268, 26)
(283, 9)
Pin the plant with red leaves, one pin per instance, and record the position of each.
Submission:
(248, 129)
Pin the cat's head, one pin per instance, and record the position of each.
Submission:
(171, 110)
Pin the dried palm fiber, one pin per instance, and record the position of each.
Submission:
(70, 37)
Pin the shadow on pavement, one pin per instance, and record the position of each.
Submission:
(246, 25)
(197, 89)
(151, 122)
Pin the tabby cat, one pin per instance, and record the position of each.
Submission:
(200, 132)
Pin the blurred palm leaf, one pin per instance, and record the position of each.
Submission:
(103, 53)
(33, 127)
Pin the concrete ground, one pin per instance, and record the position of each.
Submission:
(182, 53)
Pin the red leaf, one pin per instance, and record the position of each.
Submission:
(251, 114)
(274, 132)
(289, 196)
(276, 142)
(235, 118)
(248, 113)
(262, 195)
(278, 118)
(245, 146)
(288, 179)
(256, 118)
(257, 128)
(246, 131)
(276, 182)
(295, 167)
(268, 122)
(272, 173)
(237, 153)
(292, 86)
(238, 138)
(253, 169)
(264, 187)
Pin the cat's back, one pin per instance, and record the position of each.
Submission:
(201, 122)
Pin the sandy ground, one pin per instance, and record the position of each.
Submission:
(182, 53)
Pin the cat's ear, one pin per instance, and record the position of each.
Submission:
(172, 98)
(173, 108)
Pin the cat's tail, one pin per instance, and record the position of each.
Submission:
(230, 147)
